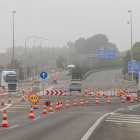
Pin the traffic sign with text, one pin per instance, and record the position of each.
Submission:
(135, 67)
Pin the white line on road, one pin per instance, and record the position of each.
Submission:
(6, 107)
(12, 126)
(36, 118)
(89, 132)
(100, 79)
(114, 76)
(121, 121)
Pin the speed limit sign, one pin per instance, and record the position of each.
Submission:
(34, 98)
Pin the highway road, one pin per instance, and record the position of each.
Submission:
(115, 121)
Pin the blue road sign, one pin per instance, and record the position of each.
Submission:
(135, 67)
(111, 53)
(43, 75)
(102, 53)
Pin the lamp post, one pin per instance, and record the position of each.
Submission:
(34, 54)
(25, 58)
(40, 51)
(13, 58)
(131, 44)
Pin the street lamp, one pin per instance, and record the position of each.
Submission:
(25, 58)
(131, 45)
(34, 54)
(13, 12)
(40, 51)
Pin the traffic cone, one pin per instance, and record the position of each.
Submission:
(86, 101)
(44, 110)
(60, 105)
(103, 94)
(31, 113)
(137, 98)
(108, 100)
(23, 97)
(111, 93)
(9, 101)
(97, 102)
(35, 107)
(57, 107)
(71, 93)
(50, 108)
(4, 122)
(77, 93)
(75, 102)
(67, 104)
(132, 99)
(123, 100)
(81, 103)
(2, 103)
(93, 94)
(82, 94)
(106, 95)
(114, 94)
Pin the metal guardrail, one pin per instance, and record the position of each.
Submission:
(94, 71)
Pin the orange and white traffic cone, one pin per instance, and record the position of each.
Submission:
(93, 94)
(67, 103)
(31, 113)
(71, 93)
(2, 103)
(75, 102)
(111, 93)
(86, 101)
(108, 100)
(77, 93)
(23, 97)
(57, 107)
(114, 94)
(106, 95)
(132, 99)
(9, 101)
(97, 102)
(35, 107)
(50, 108)
(103, 94)
(4, 122)
(123, 99)
(60, 105)
(137, 98)
(44, 109)
(81, 103)
(82, 94)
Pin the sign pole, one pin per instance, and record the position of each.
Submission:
(43, 88)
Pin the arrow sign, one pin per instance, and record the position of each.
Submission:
(47, 92)
(43, 75)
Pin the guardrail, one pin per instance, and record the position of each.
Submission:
(94, 71)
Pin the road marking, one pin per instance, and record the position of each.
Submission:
(90, 76)
(36, 118)
(12, 126)
(6, 107)
(83, 112)
(100, 79)
(122, 121)
(113, 77)
(89, 132)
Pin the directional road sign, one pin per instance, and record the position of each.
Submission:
(111, 53)
(102, 53)
(43, 75)
(135, 67)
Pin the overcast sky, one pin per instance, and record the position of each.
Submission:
(68, 20)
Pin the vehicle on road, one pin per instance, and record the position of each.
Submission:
(69, 69)
(75, 85)
(9, 80)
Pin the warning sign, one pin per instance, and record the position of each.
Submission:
(120, 91)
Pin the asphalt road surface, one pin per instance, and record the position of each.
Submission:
(114, 121)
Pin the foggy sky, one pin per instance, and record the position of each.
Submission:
(68, 20)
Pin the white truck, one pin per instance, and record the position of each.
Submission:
(9, 80)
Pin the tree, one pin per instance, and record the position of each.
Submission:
(59, 61)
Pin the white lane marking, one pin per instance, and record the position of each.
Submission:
(36, 118)
(122, 121)
(89, 132)
(114, 76)
(119, 123)
(131, 119)
(51, 112)
(90, 76)
(100, 79)
(12, 126)
(83, 112)
(19, 107)
(15, 111)
(6, 107)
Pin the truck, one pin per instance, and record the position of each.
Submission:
(9, 80)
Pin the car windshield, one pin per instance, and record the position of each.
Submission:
(74, 84)
(11, 78)
(70, 68)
